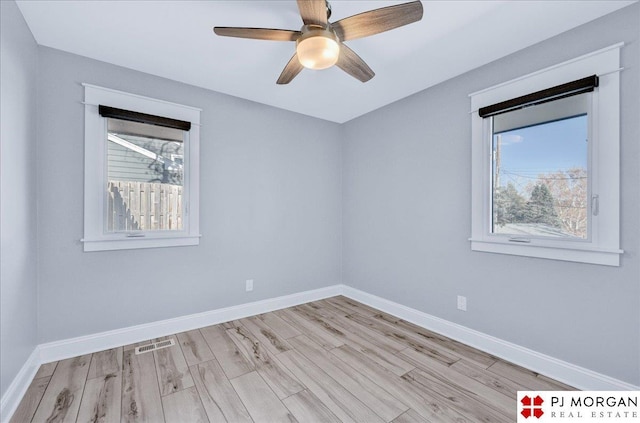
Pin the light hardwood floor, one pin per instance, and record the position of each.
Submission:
(334, 360)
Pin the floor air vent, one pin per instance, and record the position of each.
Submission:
(155, 346)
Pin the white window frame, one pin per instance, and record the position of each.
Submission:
(603, 245)
(95, 172)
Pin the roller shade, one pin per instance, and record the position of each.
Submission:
(569, 89)
(112, 112)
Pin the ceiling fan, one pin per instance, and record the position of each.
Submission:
(320, 43)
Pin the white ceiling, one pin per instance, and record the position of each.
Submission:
(174, 39)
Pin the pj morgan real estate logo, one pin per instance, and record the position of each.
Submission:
(578, 406)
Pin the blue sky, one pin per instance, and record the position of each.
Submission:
(545, 148)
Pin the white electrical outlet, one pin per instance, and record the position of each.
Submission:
(249, 285)
(462, 303)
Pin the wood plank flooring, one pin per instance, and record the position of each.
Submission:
(333, 360)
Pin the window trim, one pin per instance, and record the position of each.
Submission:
(95, 237)
(604, 245)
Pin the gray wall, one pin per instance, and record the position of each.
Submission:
(406, 206)
(18, 278)
(270, 193)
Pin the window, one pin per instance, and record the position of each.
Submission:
(141, 172)
(540, 171)
(545, 163)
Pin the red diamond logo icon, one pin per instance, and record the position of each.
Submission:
(532, 407)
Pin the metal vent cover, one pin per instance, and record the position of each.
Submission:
(155, 346)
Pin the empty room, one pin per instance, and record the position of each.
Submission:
(320, 211)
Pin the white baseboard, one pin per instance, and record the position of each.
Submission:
(17, 389)
(549, 366)
(554, 368)
(66, 348)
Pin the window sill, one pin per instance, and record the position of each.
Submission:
(130, 243)
(579, 254)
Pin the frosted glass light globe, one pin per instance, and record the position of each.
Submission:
(318, 49)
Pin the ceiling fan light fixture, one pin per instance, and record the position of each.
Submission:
(320, 43)
(318, 48)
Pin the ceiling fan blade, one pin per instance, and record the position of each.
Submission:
(290, 71)
(258, 33)
(377, 21)
(313, 12)
(352, 64)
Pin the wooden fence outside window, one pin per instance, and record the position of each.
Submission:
(143, 206)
